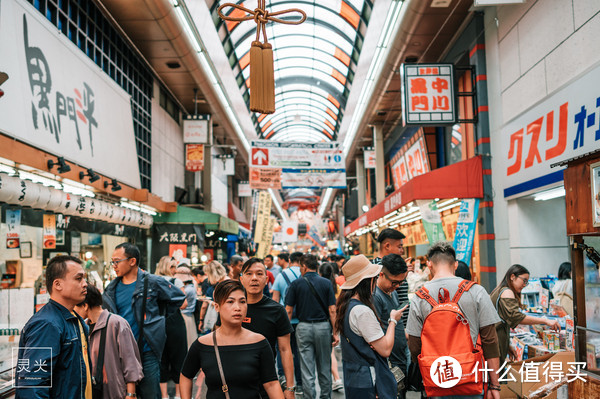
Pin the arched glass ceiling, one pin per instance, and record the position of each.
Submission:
(314, 64)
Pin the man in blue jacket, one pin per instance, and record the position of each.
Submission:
(125, 297)
(53, 357)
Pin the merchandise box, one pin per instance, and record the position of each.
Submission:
(525, 389)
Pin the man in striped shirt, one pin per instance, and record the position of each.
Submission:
(391, 242)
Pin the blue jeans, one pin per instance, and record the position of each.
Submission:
(149, 387)
(314, 345)
(297, 371)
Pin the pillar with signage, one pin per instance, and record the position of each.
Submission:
(197, 131)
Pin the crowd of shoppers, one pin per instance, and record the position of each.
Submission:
(146, 329)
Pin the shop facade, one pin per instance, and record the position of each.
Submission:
(543, 109)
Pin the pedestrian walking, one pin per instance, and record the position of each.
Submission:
(365, 346)
(208, 315)
(453, 332)
(175, 343)
(289, 273)
(184, 274)
(328, 270)
(385, 299)
(234, 359)
(116, 363)
(55, 338)
(144, 300)
(313, 298)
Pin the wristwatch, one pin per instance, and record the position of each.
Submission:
(291, 389)
(131, 395)
(390, 320)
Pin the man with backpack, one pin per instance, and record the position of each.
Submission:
(447, 316)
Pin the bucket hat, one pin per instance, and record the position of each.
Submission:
(357, 269)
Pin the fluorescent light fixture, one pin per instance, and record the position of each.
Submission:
(7, 169)
(390, 27)
(280, 210)
(39, 179)
(326, 198)
(188, 27)
(74, 188)
(550, 194)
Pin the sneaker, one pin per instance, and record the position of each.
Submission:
(337, 385)
(299, 392)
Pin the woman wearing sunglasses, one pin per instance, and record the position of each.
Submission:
(507, 300)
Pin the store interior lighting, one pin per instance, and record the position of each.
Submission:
(138, 207)
(550, 194)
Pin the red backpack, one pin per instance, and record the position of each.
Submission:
(446, 342)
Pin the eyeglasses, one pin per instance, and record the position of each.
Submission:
(394, 282)
(525, 280)
(116, 261)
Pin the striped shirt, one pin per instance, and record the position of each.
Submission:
(402, 291)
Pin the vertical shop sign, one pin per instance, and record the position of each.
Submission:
(428, 94)
(49, 232)
(244, 189)
(369, 156)
(265, 241)
(13, 224)
(261, 231)
(432, 221)
(465, 229)
(195, 131)
(194, 157)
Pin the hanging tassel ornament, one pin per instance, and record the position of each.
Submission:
(262, 76)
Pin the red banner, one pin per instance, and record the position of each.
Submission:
(194, 157)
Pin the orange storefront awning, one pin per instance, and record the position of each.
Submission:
(460, 180)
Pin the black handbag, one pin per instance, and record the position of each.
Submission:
(414, 380)
(98, 378)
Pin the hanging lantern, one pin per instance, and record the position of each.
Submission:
(10, 188)
(57, 198)
(262, 77)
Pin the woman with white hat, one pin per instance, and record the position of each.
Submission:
(365, 347)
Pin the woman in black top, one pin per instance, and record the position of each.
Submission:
(246, 356)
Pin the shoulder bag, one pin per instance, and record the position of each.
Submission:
(98, 378)
(140, 341)
(224, 387)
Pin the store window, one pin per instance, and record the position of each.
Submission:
(85, 25)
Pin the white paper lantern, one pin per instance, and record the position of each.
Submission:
(118, 215)
(83, 206)
(99, 209)
(30, 193)
(93, 208)
(148, 221)
(136, 219)
(69, 207)
(44, 199)
(57, 199)
(10, 188)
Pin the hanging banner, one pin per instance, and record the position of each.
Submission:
(432, 222)
(410, 161)
(49, 232)
(313, 178)
(369, 156)
(13, 224)
(66, 103)
(301, 164)
(263, 214)
(289, 230)
(265, 241)
(244, 189)
(428, 96)
(195, 131)
(194, 157)
(465, 229)
(264, 179)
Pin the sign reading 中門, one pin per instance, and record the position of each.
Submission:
(410, 161)
(315, 165)
(428, 96)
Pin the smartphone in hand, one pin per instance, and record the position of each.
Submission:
(403, 305)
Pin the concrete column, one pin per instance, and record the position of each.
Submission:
(207, 178)
(380, 166)
(360, 179)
